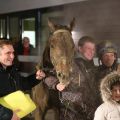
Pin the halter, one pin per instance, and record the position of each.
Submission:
(61, 30)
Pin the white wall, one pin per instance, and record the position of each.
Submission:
(18, 5)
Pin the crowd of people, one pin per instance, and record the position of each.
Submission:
(81, 101)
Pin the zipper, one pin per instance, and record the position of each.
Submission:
(15, 84)
(12, 80)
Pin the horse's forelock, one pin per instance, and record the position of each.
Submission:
(57, 27)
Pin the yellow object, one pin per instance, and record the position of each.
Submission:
(20, 102)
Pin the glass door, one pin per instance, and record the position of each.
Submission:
(14, 29)
(28, 30)
(2, 28)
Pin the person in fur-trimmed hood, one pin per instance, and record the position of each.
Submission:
(110, 93)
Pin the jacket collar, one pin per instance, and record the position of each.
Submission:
(112, 68)
(7, 69)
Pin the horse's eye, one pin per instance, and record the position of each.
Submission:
(52, 46)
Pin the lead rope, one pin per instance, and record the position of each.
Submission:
(79, 79)
(68, 103)
(66, 106)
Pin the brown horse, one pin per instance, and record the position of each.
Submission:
(57, 56)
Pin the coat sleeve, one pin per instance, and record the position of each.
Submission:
(100, 113)
(29, 82)
(51, 82)
(5, 113)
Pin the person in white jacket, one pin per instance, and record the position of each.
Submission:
(110, 92)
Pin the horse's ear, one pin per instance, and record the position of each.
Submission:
(51, 25)
(72, 24)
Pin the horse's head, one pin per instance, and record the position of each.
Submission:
(61, 50)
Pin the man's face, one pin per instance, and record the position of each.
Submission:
(108, 59)
(7, 55)
(88, 50)
(116, 93)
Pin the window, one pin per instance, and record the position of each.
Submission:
(28, 29)
(2, 28)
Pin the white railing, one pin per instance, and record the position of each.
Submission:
(36, 59)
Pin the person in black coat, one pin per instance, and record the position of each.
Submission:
(11, 80)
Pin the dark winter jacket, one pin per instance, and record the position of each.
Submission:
(11, 81)
(5, 114)
(78, 98)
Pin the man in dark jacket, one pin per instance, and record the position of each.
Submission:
(78, 98)
(11, 80)
(107, 58)
(108, 62)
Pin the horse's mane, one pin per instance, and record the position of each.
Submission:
(46, 61)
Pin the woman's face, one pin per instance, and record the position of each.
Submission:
(26, 42)
(116, 92)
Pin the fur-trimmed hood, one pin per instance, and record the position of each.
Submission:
(106, 85)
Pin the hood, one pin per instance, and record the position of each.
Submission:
(106, 85)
